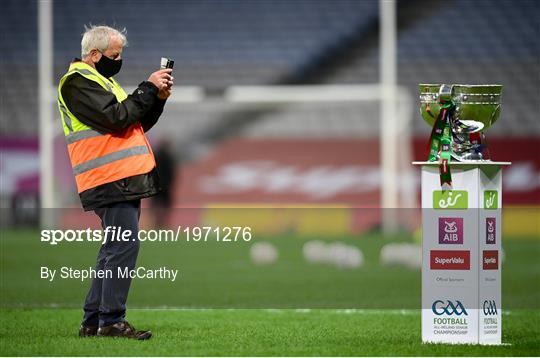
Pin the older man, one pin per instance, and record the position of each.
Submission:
(113, 164)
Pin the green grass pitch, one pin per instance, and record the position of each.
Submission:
(256, 332)
(293, 308)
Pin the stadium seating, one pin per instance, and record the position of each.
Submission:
(214, 43)
(220, 43)
(463, 41)
(18, 67)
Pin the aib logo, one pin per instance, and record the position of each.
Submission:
(489, 307)
(450, 230)
(491, 199)
(491, 232)
(448, 308)
(450, 199)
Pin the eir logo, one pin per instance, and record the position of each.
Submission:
(450, 199)
(491, 199)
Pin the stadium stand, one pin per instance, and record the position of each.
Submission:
(221, 43)
(18, 67)
(215, 43)
(461, 41)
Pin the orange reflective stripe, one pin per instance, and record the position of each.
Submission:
(120, 169)
(97, 146)
(109, 158)
(83, 134)
(103, 158)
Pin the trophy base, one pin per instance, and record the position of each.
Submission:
(468, 157)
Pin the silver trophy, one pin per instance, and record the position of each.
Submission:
(465, 111)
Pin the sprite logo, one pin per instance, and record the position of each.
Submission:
(491, 199)
(450, 199)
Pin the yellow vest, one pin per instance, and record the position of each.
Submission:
(100, 158)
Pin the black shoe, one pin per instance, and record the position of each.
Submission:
(87, 331)
(123, 329)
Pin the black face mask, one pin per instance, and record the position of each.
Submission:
(107, 67)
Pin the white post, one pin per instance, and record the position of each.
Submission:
(407, 180)
(388, 144)
(45, 52)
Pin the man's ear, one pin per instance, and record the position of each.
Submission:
(95, 55)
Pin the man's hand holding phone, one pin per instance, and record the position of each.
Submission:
(162, 79)
(165, 92)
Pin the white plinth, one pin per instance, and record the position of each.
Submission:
(461, 247)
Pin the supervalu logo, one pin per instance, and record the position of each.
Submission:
(450, 260)
(490, 259)
(450, 199)
(491, 199)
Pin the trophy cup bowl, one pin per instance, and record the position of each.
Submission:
(474, 109)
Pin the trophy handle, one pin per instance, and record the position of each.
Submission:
(495, 114)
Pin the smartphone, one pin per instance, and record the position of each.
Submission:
(166, 63)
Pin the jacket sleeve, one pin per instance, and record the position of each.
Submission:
(99, 108)
(151, 117)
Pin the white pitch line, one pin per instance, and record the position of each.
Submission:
(375, 311)
(289, 310)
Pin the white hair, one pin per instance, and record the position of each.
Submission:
(98, 37)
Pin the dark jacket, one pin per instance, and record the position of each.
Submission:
(96, 107)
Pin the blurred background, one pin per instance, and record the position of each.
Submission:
(278, 104)
(251, 145)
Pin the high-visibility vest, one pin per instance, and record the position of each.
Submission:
(100, 158)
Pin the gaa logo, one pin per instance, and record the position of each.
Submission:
(449, 308)
(489, 308)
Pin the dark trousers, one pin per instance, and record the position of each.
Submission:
(106, 301)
